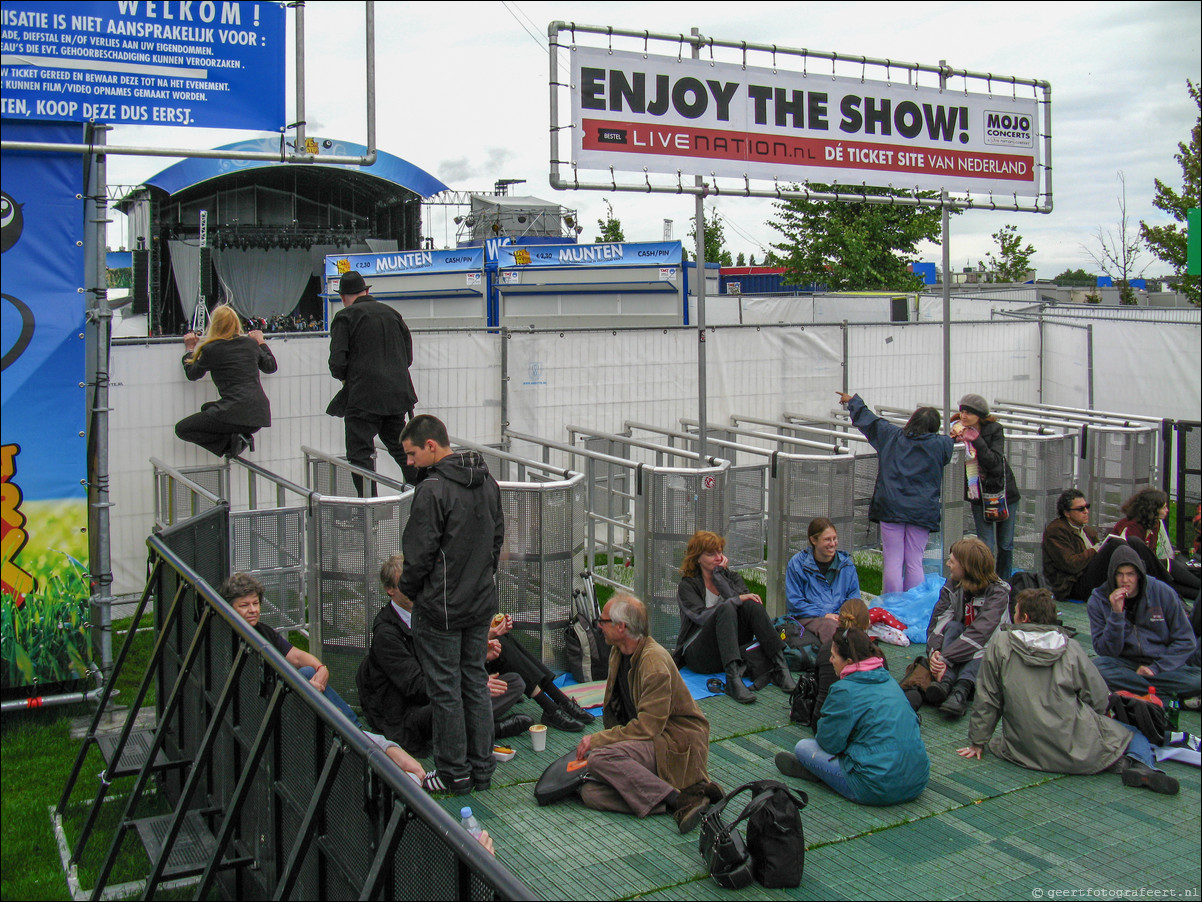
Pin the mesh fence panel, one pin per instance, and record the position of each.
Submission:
(1043, 467)
(1117, 462)
(672, 505)
(271, 546)
(177, 502)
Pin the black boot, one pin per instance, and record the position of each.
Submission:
(734, 684)
(780, 673)
(938, 691)
(1139, 774)
(957, 702)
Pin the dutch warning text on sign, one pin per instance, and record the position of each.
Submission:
(699, 117)
(210, 63)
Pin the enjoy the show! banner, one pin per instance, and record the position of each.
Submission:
(43, 632)
(645, 113)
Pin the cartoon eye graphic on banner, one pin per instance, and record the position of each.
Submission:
(12, 221)
(18, 323)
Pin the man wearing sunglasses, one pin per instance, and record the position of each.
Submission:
(1074, 561)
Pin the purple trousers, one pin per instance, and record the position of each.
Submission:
(903, 546)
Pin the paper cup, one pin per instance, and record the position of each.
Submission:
(538, 737)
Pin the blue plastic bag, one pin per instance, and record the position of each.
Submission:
(914, 607)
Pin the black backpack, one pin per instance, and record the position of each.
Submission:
(802, 699)
(774, 853)
(584, 645)
(1149, 719)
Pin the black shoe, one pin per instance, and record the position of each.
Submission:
(787, 764)
(914, 697)
(938, 692)
(237, 445)
(709, 789)
(434, 782)
(689, 809)
(734, 685)
(569, 707)
(250, 440)
(514, 725)
(561, 720)
(1139, 774)
(781, 675)
(957, 702)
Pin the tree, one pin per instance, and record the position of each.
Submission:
(1117, 252)
(751, 260)
(611, 228)
(1013, 264)
(850, 246)
(1168, 242)
(740, 260)
(715, 240)
(1076, 278)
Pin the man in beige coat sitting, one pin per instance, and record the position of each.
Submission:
(653, 753)
(1052, 702)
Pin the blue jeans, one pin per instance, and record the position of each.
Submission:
(1140, 749)
(334, 698)
(825, 766)
(1119, 673)
(457, 683)
(998, 536)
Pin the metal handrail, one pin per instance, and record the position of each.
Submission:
(313, 453)
(789, 439)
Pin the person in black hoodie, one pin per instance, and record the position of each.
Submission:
(452, 546)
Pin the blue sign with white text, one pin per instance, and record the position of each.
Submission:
(647, 253)
(212, 63)
(465, 259)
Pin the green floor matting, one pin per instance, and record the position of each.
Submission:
(982, 829)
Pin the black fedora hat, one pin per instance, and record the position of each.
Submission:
(352, 283)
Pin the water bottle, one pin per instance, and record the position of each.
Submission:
(468, 821)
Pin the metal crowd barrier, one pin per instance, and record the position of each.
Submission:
(646, 513)
(268, 535)
(283, 797)
(1188, 481)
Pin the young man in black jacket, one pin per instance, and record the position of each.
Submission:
(452, 546)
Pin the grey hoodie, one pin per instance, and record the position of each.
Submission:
(1153, 630)
(1052, 708)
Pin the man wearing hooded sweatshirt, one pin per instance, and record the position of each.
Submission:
(1052, 703)
(1141, 633)
(452, 545)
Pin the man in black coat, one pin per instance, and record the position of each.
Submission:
(370, 352)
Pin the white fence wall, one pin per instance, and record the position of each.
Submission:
(599, 379)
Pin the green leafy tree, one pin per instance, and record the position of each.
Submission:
(1076, 278)
(850, 246)
(1117, 251)
(751, 260)
(1013, 261)
(610, 226)
(740, 260)
(1168, 242)
(715, 240)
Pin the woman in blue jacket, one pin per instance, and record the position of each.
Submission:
(819, 579)
(868, 747)
(909, 484)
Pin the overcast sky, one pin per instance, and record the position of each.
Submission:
(462, 93)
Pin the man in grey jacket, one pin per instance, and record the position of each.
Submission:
(452, 546)
(1052, 703)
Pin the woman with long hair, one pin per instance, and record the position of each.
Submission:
(972, 604)
(852, 616)
(986, 471)
(719, 616)
(1144, 516)
(226, 427)
(906, 500)
(818, 579)
(867, 746)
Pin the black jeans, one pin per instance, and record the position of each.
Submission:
(731, 626)
(361, 430)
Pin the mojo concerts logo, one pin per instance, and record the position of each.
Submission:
(1009, 129)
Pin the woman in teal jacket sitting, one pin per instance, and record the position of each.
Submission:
(868, 746)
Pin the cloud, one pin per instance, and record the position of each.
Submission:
(460, 169)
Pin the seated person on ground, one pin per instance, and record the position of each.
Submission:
(1075, 562)
(719, 617)
(392, 686)
(653, 754)
(819, 579)
(1052, 703)
(867, 746)
(1141, 633)
(972, 604)
(853, 615)
(559, 711)
(245, 595)
(1144, 514)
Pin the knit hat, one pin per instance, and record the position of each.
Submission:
(975, 404)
